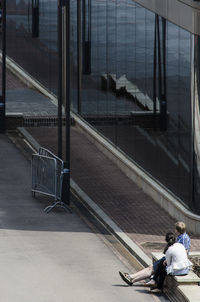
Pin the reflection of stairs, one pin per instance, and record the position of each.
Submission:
(123, 87)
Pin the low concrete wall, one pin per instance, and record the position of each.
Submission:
(181, 288)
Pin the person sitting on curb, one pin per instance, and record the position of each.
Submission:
(182, 236)
(154, 270)
(176, 262)
(159, 266)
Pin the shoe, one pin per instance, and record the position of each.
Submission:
(155, 289)
(151, 283)
(126, 278)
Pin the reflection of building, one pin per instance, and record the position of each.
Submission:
(135, 78)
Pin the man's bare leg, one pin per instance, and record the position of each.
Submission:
(143, 274)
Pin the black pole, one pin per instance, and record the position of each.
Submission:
(164, 57)
(35, 18)
(154, 74)
(163, 108)
(86, 37)
(66, 174)
(79, 61)
(3, 95)
(60, 78)
(162, 76)
(159, 62)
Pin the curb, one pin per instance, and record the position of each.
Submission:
(99, 214)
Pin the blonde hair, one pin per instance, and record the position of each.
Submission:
(180, 227)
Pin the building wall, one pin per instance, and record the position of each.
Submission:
(184, 13)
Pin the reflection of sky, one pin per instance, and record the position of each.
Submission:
(119, 29)
(129, 28)
(122, 39)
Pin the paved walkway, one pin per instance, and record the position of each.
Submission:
(135, 212)
(42, 256)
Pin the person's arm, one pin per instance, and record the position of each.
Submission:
(168, 257)
(186, 243)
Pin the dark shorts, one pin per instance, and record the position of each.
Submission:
(156, 263)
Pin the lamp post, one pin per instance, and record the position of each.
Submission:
(3, 82)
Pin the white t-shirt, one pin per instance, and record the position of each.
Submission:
(176, 257)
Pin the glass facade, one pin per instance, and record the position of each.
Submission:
(130, 79)
(32, 38)
(134, 87)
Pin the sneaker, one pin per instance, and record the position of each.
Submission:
(156, 290)
(151, 283)
(126, 278)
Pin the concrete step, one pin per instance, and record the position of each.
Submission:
(177, 288)
(191, 278)
(189, 293)
(157, 255)
(174, 287)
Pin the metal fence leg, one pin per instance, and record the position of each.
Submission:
(58, 204)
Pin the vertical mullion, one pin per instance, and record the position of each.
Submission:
(154, 72)
(164, 55)
(79, 62)
(159, 62)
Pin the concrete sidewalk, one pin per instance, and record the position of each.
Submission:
(42, 256)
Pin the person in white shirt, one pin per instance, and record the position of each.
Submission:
(176, 262)
(154, 271)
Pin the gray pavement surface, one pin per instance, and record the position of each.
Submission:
(51, 257)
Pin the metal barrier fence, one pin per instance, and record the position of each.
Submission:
(47, 176)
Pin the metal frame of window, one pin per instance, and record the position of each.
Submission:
(3, 81)
(35, 18)
(86, 36)
(159, 73)
(64, 62)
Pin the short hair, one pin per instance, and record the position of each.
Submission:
(180, 227)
